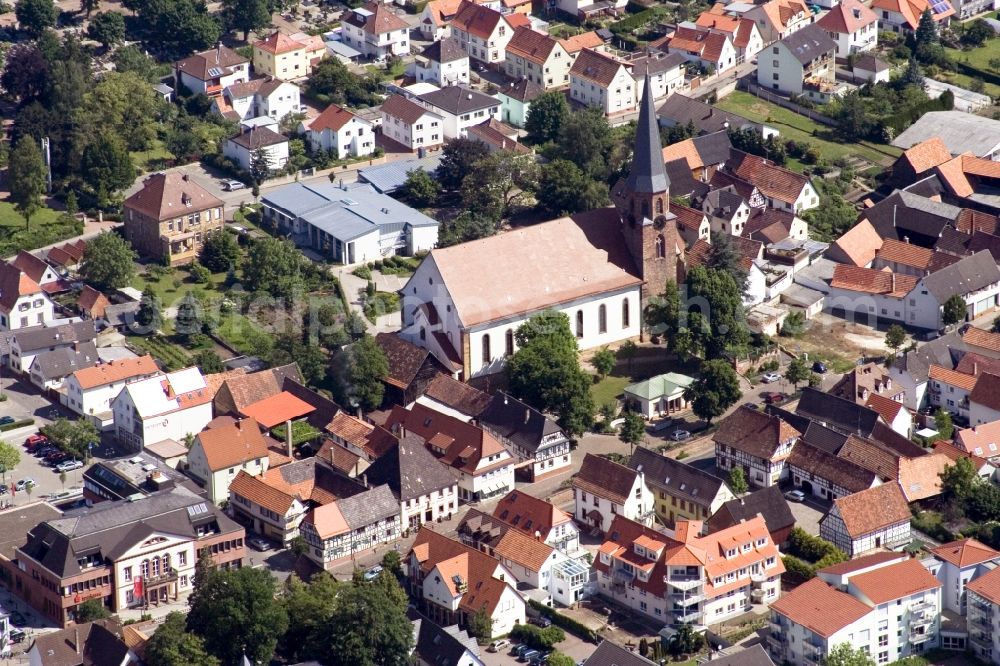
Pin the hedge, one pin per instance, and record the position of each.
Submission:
(988, 77)
(536, 637)
(798, 568)
(636, 21)
(564, 621)
(813, 549)
(17, 424)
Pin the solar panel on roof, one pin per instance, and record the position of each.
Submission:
(939, 6)
(214, 71)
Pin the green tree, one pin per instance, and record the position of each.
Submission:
(481, 626)
(90, 610)
(331, 81)
(298, 546)
(149, 315)
(545, 371)
(220, 252)
(926, 32)
(121, 103)
(632, 430)
(585, 139)
(794, 324)
(977, 34)
(722, 328)
(27, 177)
(943, 423)
(131, 59)
(369, 626)
(10, 457)
(311, 606)
(498, 182)
(834, 215)
(603, 361)
(246, 15)
(35, 16)
(716, 390)
(89, 6)
(208, 362)
(546, 116)
(235, 613)
(260, 166)
(172, 645)
(393, 563)
(291, 347)
(798, 371)
(738, 480)
(685, 641)
(178, 26)
(895, 338)
(72, 437)
(107, 28)
(559, 659)
(420, 188)
(725, 256)
(367, 366)
(912, 75)
(846, 655)
(628, 351)
(458, 159)
(958, 481)
(108, 262)
(107, 162)
(954, 310)
(467, 226)
(274, 266)
(563, 189)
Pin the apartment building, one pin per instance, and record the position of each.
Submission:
(958, 563)
(688, 578)
(407, 123)
(89, 391)
(287, 57)
(538, 58)
(484, 32)
(159, 408)
(983, 617)
(376, 31)
(601, 80)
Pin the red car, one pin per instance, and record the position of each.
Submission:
(774, 398)
(35, 440)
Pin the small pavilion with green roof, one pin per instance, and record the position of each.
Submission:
(659, 395)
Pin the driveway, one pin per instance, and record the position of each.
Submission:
(808, 513)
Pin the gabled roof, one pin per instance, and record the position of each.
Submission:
(872, 281)
(529, 514)
(611, 654)
(116, 371)
(837, 413)
(165, 196)
(405, 359)
(531, 45)
(258, 137)
(456, 444)
(596, 66)
(911, 10)
(231, 445)
(676, 478)
(460, 396)
(599, 476)
(887, 408)
(585, 40)
(894, 581)
(15, 283)
(47, 335)
(978, 337)
(987, 391)
(873, 509)
(31, 265)
(410, 470)
(201, 65)
(859, 245)
(458, 100)
(277, 409)
(376, 18)
(772, 180)
(477, 20)
(920, 478)
(277, 43)
(965, 553)
(522, 90)
(987, 586)
(964, 277)
(820, 608)
(754, 655)
(923, 156)
(981, 440)
(754, 432)
(706, 44)
(439, 645)
(767, 502)
(403, 108)
(333, 118)
(100, 644)
(518, 423)
(445, 50)
(838, 471)
(92, 302)
(847, 18)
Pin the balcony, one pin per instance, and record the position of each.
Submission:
(166, 576)
(684, 583)
(757, 596)
(758, 577)
(685, 601)
(920, 637)
(687, 616)
(984, 641)
(778, 642)
(921, 606)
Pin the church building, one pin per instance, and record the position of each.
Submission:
(600, 268)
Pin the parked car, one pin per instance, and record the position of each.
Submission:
(259, 543)
(680, 435)
(4, 420)
(24, 483)
(69, 465)
(774, 398)
(820, 367)
(770, 377)
(35, 440)
(373, 573)
(45, 450)
(541, 621)
(751, 405)
(795, 496)
(529, 655)
(233, 185)
(498, 645)
(17, 635)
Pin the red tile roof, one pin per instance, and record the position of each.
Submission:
(977, 337)
(987, 391)
(14, 283)
(820, 608)
(333, 118)
(278, 42)
(595, 66)
(380, 20)
(895, 581)
(233, 444)
(276, 409)
(586, 40)
(848, 17)
(116, 371)
(772, 180)
(965, 552)
(987, 586)
(92, 302)
(165, 196)
(871, 281)
(863, 562)
(531, 45)
(406, 110)
(870, 510)
(961, 380)
(477, 20)
(454, 442)
(529, 514)
(860, 244)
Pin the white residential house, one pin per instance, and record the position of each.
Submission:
(90, 391)
(460, 108)
(956, 564)
(760, 443)
(159, 408)
(800, 64)
(212, 71)
(776, 19)
(219, 453)
(443, 63)
(984, 401)
(539, 519)
(376, 31)
(341, 132)
(272, 98)
(27, 344)
(598, 79)
(853, 26)
(742, 32)
(665, 72)
(603, 489)
(712, 51)
(528, 434)
(242, 148)
(484, 32)
(983, 618)
(886, 607)
(539, 58)
(868, 520)
(410, 124)
(23, 302)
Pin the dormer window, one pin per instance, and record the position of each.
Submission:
(731, 552)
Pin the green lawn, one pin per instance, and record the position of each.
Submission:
(45, 227)
(173, 287)
(978, 58)
(608, 389)
(798, 127)
(964, 80)
(149, 160)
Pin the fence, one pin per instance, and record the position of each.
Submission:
(769, 96)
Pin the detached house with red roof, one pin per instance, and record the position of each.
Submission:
(852, 25)
(287, 58)
(603, 490)
(781, 188)
(169, 218)
(712, 51)
(410, 124)
(340, 132)
(539, 58)
(599, 79)
(162, 407)
(760, 443)
(90, 391)
(904, 15)
(23, 302)
(211, 71)
(376, 31)
(888, 606)
(484, 32)
(868, 520)
(777, 19)
(452, 582)
(219, 453)
(39, 271)
(689, 579)
(742, 32)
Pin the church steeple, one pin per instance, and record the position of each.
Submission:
(648, 174)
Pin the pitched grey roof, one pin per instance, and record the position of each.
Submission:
(836, 413)
(679, 110)
(457, 100)
(258, 137)
(945, 351)
(657, 62)
(961, 132)
(101, 644)
(442, 646)
(722, 202)
(768, 502)
(611, 654)
(410, 470)
(64, 361)
(445, 50)
(368, 507)
(47, 335)
(837, 471)
(963, 277)
(512, 419)
(676, 478)
(522, 90)
(648, 174)
(809, 43)
(755, 655)
(714, 148)
(824, 438)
